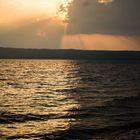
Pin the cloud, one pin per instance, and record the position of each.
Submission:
(115, 17)
(92, 24)
(33, 33)
(30, 24)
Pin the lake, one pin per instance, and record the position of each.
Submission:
(66, 99)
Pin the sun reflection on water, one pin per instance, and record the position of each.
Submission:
(35, 95)
(48, 98)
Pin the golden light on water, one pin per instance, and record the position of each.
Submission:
(50, 105)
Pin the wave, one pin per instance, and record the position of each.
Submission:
(85, 133)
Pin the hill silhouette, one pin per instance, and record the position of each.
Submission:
(20, 53)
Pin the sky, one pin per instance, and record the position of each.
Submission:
(70, 24)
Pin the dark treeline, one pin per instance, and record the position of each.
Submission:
(15, 53)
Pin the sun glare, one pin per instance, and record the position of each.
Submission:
(52, 8)
(58, 8)
(63, 9)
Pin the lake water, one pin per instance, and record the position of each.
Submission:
(66, 99)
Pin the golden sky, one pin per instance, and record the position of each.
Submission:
(16, 9)
(40, 24)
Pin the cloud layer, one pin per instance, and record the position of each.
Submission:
(33, 33)
(117, 17)
(92, 24)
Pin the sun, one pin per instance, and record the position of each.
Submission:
(58, 8)
(63, 9)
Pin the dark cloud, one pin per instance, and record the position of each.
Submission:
(119, 17)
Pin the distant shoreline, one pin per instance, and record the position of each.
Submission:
(97, 55)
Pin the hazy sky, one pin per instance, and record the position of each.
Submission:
(91, 24)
